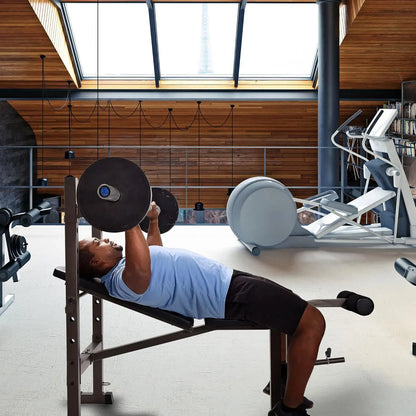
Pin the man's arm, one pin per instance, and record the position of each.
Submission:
(137, 272)
(153, 233)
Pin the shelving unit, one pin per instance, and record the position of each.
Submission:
(403, 130)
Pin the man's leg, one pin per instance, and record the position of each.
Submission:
(301, 355)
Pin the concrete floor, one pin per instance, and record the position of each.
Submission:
(221, 373)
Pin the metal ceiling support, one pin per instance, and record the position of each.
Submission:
(328, 92)
(238, 41)
(155, 45)
(196, 95)
(162, 95)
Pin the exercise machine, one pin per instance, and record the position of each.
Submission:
(16, 246)
(262, 212)
(407, 269)
(117, 175)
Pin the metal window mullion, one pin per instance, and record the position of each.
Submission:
(155, 45)
(314, 72)
(238, 41)
(63, 17)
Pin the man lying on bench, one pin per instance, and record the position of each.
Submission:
(195, 286)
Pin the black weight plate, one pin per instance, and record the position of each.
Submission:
(18, 245)
(169, 210)
(131, 206)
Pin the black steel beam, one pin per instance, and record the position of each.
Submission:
(155, 45)
(196, 95)
(238, 41)
(369, 95)
(164, 95)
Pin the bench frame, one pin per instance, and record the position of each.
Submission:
(78, 361)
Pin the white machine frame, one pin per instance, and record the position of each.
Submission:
(339, 222)
(350, 213)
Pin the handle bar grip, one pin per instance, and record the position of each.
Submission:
(354, 302)
(13, 266)
(348, 121)
(34, 214)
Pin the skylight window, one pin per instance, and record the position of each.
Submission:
(194, 40)
(124, 46)
(279, 40)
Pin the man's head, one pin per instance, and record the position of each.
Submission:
(97, 257)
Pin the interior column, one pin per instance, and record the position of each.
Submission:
(328, 92)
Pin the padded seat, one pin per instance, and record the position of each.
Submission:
(363, 203)
(96, 288)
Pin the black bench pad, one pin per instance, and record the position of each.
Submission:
(96, 288)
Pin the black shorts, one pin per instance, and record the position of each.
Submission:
(263, 302)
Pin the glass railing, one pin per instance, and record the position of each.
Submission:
(22, 187)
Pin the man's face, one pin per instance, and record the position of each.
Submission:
(105, 252)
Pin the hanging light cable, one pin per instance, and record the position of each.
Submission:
(170, 149)
(232, 151)
(69, 154)
(140, 133)
(98, 82)
(108, 128)
(199, 206)
(43, 181)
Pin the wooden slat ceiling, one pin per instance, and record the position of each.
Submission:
(22, 40)
(379, 49)
(377, 53)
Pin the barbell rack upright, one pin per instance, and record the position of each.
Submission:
(75, 366)
(72, 300)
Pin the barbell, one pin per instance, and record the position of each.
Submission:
(114, 195)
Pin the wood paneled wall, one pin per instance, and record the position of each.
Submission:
(289, 125)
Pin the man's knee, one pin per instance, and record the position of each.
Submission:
(312, 322)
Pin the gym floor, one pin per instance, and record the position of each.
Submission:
(220, 373)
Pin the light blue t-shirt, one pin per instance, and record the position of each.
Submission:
(181, 281)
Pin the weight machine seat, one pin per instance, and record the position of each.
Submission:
(363, 203)
(96, 288)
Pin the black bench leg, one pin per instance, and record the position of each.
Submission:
(275, 366)
(98, 395)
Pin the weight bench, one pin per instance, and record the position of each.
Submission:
(95, 353)
(78, 361)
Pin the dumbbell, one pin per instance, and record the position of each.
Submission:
(114, 195)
